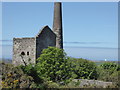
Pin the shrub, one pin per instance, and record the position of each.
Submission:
(53, 65)
(84, 69)
(14, 77)
(30, 70)
(109, 71)
(109, 66)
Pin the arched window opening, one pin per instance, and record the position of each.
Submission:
(22, 53)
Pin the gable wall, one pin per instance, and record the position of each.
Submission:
(44, 39)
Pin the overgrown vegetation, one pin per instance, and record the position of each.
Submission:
(109, 72)
(55, 70)
(53, 65)
(14, 77)
(84, 69)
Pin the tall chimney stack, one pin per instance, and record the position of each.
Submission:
(57, 24)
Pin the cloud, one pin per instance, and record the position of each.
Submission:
(64, 42)
(85, 42)
(67, 42)
(90, 47)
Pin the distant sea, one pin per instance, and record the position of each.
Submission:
(90, 53)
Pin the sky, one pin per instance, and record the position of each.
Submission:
(90, 29)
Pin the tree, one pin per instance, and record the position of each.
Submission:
(53, 65)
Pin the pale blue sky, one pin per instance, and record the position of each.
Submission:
(89, 27)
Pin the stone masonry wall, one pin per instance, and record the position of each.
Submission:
(24, 50)
(45, 38)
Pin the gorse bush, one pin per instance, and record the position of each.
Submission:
(84, 69)
(53, 65)
(109, 71)
(109, 66)
(31, 71)
(21, 77)
(14, 77)
(106, 70)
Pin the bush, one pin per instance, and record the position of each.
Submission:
(109, 71)
(109, 66)
(53, 65)
(30, 70)
(84, 69)
(14, 77)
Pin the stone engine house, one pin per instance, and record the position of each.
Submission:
(27, 50)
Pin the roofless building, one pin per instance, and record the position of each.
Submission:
(27, 50)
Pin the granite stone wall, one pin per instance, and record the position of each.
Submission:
(45, 38)
(27, 50)
(24, 50)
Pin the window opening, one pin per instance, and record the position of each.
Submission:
(22, 53)
(27, 53)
